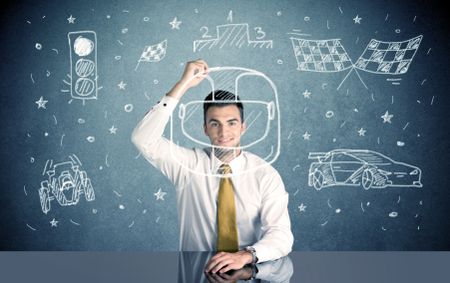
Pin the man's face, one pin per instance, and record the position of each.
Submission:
(224, 126)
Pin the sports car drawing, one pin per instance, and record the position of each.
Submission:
(66, 182)
(355, 167)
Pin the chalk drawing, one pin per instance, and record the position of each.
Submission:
(113, 130)
(357, 19)
(379, 57)
(153, 53)
(228, 78)
(160, 194)
(66, 182)
(387, 117)
(122, 85)
(232, 36)
(302, 207)
(355, 167)
(54, 223)
(71, 19)
(175, 23)
(41, 103)
(83, 61)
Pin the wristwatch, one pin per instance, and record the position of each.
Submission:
(252, 250)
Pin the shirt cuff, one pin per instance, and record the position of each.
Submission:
(262, 252)
(167, 104)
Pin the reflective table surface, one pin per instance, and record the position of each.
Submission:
(189, 267)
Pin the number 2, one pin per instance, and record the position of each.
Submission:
(205, 32)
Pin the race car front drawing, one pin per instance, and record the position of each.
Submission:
(66, 183)
(359, 167)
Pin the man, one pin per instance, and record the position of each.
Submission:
(243, 216)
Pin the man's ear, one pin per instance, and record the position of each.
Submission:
(244, 128)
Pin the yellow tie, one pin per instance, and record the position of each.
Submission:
(227, 236)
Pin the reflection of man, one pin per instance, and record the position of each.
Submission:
(244, 216)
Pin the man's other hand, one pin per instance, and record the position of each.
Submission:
(223, 261)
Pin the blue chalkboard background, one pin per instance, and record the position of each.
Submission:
(321, 110)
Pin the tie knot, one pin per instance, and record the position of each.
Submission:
(225, 169)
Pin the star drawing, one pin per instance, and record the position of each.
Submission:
(113, 130)
(175, 23)
(54, 223)
(362, 132)
(41, 103)
(357, 19)
(387, 117)
(306, 94)
(122, 85)
(160, 194)
(71, 19)
(306, 135)
(302, 207)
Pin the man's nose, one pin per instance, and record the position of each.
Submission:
(222, 129)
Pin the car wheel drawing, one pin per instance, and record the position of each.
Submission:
(44, 195)
(318, 180)
(367, 179)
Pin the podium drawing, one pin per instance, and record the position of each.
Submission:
(232, 36)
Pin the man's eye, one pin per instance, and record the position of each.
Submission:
(233, 123)
(213, 124)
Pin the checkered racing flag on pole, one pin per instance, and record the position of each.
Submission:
(153, 53)
(320, 55)
(391, 58)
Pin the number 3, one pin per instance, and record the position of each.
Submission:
(261, 33)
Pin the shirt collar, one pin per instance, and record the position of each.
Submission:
(236, 164)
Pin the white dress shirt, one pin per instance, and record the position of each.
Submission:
(261, 199)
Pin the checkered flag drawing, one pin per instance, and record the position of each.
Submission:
(391, 58)
(379, 57)
(320, 55)
(153, 53)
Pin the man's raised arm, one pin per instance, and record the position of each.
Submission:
(147, 136)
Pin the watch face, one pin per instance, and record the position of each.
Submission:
(253, 252)
(250, 249)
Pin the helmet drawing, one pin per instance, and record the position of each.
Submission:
(258, 95)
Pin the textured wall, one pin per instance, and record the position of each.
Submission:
(349, 75)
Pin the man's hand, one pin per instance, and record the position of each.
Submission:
(223, 261)
(194, 73)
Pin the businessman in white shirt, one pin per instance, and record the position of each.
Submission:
(244, 217)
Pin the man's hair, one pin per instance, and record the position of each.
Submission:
(224, 98)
